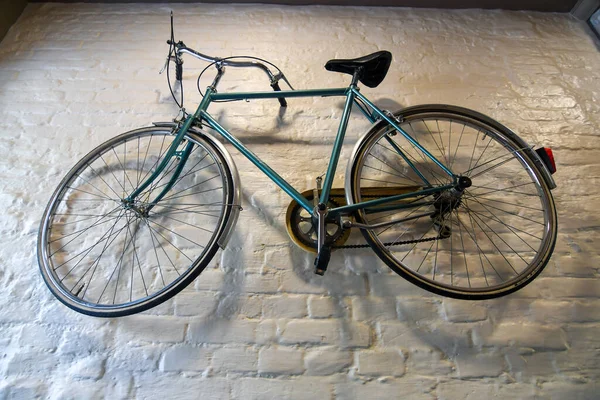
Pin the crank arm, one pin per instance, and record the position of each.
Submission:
(349, 224)
(321, 211)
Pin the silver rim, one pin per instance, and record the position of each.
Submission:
(502, 229)
(100, 256)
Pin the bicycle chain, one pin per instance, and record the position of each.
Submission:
(386, 244)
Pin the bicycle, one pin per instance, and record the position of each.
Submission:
(448, 198)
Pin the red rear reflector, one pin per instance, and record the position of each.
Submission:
(547, 157)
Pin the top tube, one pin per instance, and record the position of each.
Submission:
(282, 93)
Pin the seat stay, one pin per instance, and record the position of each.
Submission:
(395, 125)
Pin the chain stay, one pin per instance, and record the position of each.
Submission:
(387, 244)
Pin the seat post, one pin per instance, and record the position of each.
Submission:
(356, 76)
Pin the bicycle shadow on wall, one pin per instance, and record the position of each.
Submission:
(275, 135)
(439, 328)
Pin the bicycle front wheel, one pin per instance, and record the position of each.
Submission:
(485, 241)
(103, 256)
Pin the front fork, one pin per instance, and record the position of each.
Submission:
(183, 156)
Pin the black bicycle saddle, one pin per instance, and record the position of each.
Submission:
(371, 69)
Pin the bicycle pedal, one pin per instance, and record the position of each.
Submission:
(322, 260)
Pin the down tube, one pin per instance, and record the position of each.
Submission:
(274, 176)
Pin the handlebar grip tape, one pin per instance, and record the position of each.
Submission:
(178, 70)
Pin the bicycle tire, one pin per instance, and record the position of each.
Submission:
(491, 237)
(172, 244)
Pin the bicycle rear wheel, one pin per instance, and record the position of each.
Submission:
(105, 257)
(490, 240)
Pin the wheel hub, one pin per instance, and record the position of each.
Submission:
(450, 199)
(446, 202)
(139, 211)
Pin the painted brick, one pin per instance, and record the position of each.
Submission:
(324, 307)
(284, 306)
(296, 389)
(151, 386)
(222, 331)
(461, 311)
(326, 332)
(148, 328)
(373, 308)
(375, 362)
(325, 361)
(280, 360)
(235, 359)
(184, 358)
(473, 364)
(72, 77)
(524, 335)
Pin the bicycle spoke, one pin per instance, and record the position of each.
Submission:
(91, 194)
(495, 246)
(190, 171)
(462, 243)
(511, 153)
(504, 190)
(162, 248)
(101, 178)
(114, 270)
(157, 259)
(481, 252)
(510, 227)
(156, 163)
(135, 258)
(194, 193)
(82, 230)
(88, 250)
(508, 212)
(177, 248)
(189, 187)
(442, 152)
(175, 233)
(120, 263)
(171, 165)
(457, 146)
(91, 226)
(500, 237)
(113, 174)
(437, 122)
(484, 150)
(95, 264)
(399, 173)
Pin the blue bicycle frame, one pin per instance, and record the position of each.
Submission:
(352, 93)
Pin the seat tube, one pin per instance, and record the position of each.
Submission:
(337, 146)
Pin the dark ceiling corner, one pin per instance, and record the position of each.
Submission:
(585, 8)
(11, 11)
(535, 5)
(582, 9)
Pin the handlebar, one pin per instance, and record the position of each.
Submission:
(181, 48)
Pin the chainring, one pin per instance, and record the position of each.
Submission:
(303, 232)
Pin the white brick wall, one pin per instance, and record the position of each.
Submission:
(258, 324)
